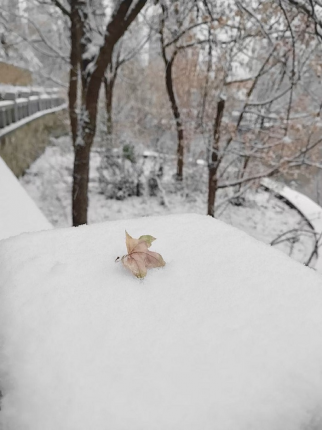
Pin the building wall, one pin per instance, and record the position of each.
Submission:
(25, 144)
(13, 75)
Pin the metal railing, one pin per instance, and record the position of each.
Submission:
(17, 103)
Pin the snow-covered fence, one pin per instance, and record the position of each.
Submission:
(310, 211)
(17, 103)
(28, 116)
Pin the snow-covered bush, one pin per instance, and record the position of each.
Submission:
(119, 174)
(124, 173)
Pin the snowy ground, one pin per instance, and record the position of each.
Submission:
(263, 216)
(226, 336)
(18, 212)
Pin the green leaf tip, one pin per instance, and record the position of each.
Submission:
(147, 239)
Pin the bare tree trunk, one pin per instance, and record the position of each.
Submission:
(121, 19)
(74, 67)
(85, 138)
(245, 162)
(177, 117)
(201, 113)
(213, 165)
(168, 63)
(80, 184)
(109, 87)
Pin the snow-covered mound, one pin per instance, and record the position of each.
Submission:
(18, 212)
(228, 335)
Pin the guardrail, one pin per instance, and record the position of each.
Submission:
(306, 207)
(17, 103)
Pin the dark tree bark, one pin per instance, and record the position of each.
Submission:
(168, 64)
(213, 165)
(74, 67)
(80, 184)
(109, 81)
(177, 117)
(109, 86)
(122, 17)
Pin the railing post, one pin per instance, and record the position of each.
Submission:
(21, 102)
(2, 120)
(8, 116)
(16, 111)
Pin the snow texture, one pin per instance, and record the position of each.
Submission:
(49, 182)
(228, 335)
(311, 210)
(18, 212)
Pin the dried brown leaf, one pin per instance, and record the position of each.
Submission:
(139, 257)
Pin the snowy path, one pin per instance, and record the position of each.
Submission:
(19, 213)
(307, 207)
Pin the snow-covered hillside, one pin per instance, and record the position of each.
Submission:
(228, 335)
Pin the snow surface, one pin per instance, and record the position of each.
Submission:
(49, 182)
(6, 103)
(18, 213)
(227, 336)
(311, 210)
